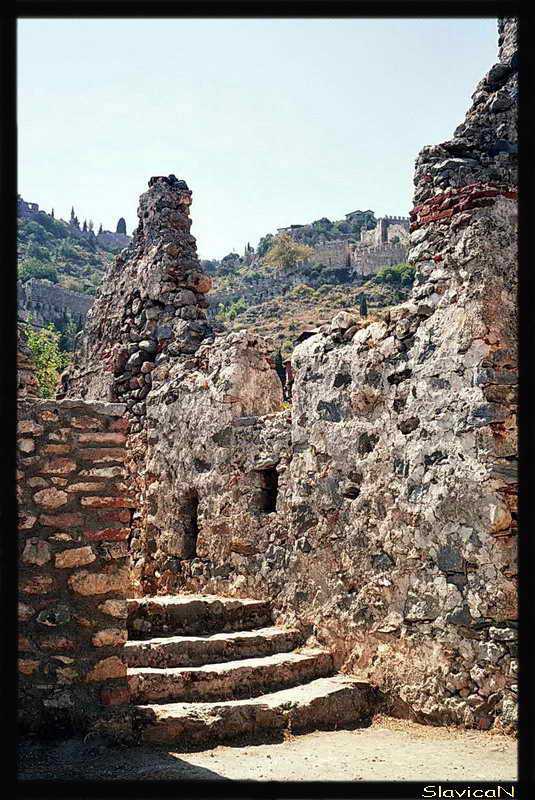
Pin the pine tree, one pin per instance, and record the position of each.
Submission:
(100, 229)
(84, 226)
(72, 214)
(363, 306)
(91, 226)
(121, 226)
(52, 214)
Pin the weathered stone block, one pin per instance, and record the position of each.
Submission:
(115, 608)
(91, 583)
(38, 584)
(105, 502)
(108, 534)
(66, 520)
(101, 438)
(36, 551)
(111, 667)
(26, 445)
(110, 637)
(51, 498)
(74, 557)
(58, 466)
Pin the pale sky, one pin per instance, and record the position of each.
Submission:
(270, 121)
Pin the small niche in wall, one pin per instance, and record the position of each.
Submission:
(268, 490)
(190, 518)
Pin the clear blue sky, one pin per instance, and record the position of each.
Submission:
(271, 121)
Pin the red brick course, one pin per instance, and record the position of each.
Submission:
(445, 205)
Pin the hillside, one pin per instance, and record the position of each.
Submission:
(61, 264)
(63, 253)
(283, 317)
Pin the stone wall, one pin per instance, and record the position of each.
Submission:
(335, 253)
(379, 513)
(381, 516)
(111, 240)
(386, 230)
(385, 245)
(74, 522)
(41, 303)
(367, 260)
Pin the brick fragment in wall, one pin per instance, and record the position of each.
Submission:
(107, 534)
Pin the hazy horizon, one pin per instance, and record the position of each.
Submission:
(272, 122)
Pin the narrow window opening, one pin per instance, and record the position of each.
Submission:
(191, 524)
(269, 490)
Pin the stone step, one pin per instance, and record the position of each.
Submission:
(232, 679)
(194, 651)
(194, 615)
(323, 703)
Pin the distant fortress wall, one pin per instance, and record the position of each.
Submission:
(41, 303)
(385, 245)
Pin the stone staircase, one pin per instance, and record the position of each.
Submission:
(204, 670)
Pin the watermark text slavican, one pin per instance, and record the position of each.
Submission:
(497, 791)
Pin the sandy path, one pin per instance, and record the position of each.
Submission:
(390, 750)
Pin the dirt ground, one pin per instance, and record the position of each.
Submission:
(389, 750)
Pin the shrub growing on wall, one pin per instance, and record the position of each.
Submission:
(49, 359)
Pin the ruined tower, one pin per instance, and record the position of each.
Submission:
(151, 306)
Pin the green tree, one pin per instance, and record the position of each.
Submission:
(286, 253)
(363, 307)
(264, 244)
(396, 275)
(49, 359)
(32, 268)
(68, 337)
(121, 226)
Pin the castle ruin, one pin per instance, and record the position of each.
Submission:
(375, 520)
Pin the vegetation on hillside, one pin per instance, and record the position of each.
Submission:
(49, 358)
(326, 230)
(285, 253)
(396, 275)
(54, 251)
(281, 319)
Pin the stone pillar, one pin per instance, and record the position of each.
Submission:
(150, 308)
